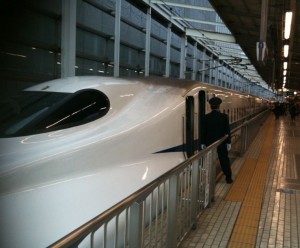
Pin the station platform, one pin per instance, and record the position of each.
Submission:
(261, 208)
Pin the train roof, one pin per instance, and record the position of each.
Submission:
(73, 84)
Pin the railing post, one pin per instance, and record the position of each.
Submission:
(207, 167)
(172, 213)
(212, 174)
(135, 225)
(195, 192)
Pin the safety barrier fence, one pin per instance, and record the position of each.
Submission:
(243, 135)
(164, 211)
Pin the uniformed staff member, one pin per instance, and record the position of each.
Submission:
(215, 127)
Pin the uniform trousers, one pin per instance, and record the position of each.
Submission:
(224, 160)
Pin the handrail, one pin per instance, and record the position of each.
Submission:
(249, 121)
(80, 233)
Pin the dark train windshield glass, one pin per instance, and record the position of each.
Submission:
(33, 112)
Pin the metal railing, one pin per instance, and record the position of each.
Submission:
(164, 211)
(243, 135)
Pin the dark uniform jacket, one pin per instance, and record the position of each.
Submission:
(215, 127)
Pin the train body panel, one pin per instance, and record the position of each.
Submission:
(54, 180)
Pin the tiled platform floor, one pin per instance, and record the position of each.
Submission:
(268, 175)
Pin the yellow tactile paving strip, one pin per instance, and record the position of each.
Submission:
(249, 188)
(241, 184)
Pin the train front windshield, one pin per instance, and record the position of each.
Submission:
(33, 112)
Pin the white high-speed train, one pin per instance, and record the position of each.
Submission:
(71, 148)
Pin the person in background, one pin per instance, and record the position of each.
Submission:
(293, 110)
(215, 127)
(276, 110)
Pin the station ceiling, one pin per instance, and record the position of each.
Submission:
(246, 27)
(243, 19)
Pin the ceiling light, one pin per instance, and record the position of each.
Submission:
(285, 64)
(286, 51)
(287, 24)
(284, 72)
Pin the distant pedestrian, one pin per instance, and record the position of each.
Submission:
(215, 127)
(276, 110)
(292, 110)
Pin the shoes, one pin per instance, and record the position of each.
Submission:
(229, 181)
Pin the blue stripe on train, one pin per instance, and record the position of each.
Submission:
(179, 148)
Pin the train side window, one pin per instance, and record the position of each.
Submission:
(48, 111)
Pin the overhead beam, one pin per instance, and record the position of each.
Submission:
(188, 6)
(220, 49)
(216, 46)
(208, 35)
(242, 61)
(231, 54)
(198, 21)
